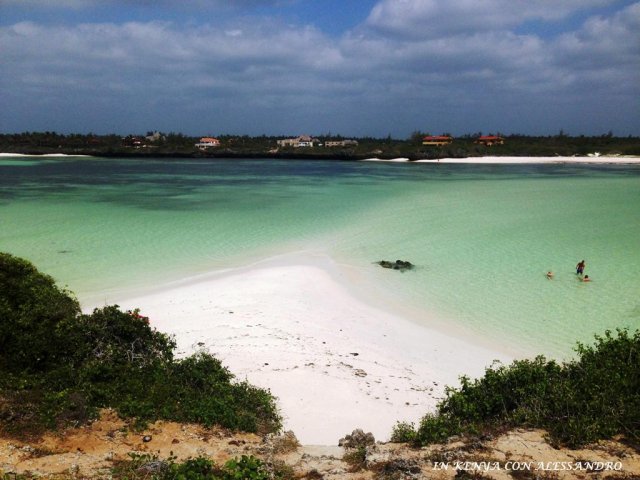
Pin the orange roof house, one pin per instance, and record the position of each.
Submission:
(437, 140)
(489, 140)
(207, 142)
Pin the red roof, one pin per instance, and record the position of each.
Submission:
(489, 137)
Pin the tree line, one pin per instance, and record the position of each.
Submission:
(178, 144)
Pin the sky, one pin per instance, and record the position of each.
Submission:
(348, 67)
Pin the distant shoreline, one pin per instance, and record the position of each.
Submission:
(39, 155)
(511, 160)
(489, 159)
(323, 147)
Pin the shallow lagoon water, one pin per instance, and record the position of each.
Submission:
(482, 236)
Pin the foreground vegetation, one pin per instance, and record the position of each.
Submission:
(596, 396)
(177, 144)
(59, 366)
(143, 467)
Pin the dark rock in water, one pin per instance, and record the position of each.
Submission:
(397, 265)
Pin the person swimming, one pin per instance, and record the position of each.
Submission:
(586, 278)
(550, 275)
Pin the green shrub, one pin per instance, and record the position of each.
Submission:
(356, 458)
(437, 428)
(142, 467)
(502, 391)
(58, 366)
(593, 397)
(601, 391)
(31, 307)
(248, 467)
(403, 432)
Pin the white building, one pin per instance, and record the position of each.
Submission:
(207, 142)
(301, 141)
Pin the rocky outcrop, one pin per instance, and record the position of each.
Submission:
(357, 439)
(401, 265)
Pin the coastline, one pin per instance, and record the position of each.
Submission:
(342, 157)
(506, 160)
(40, 155)
(295, 325)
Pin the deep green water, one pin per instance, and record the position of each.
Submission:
(482, 236)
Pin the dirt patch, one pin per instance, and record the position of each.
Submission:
(91, 451)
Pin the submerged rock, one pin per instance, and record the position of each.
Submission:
(397, 265)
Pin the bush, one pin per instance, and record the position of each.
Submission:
(403, 432)
(31, 307)
(201, 468)
(356, 458)
(601, 391)
(58, 366)
(593, 397)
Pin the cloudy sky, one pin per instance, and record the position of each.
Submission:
(350, 67)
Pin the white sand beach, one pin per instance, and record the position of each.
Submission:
(336, 362)
(595, 159)
(47, 155)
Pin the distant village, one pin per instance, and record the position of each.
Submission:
(305, 141)
(419, 145)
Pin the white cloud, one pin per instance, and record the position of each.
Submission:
(603, 42)
(431, 18)
(284, 78)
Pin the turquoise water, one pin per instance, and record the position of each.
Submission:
(482, 236)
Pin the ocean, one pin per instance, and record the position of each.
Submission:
(482, 236)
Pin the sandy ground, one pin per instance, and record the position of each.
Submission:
(48, 155)
(93, 450)
(592, 158)
(293, 325)
(623, 159)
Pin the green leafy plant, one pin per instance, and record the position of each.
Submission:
(146, 466)
(593, 397)
(59, 366)
(403, 432)
(356, 458)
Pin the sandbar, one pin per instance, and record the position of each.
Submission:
(593, 159)
(41, 155)
(335, 361)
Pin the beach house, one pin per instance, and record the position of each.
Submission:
(301, 141)
(207, 142)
